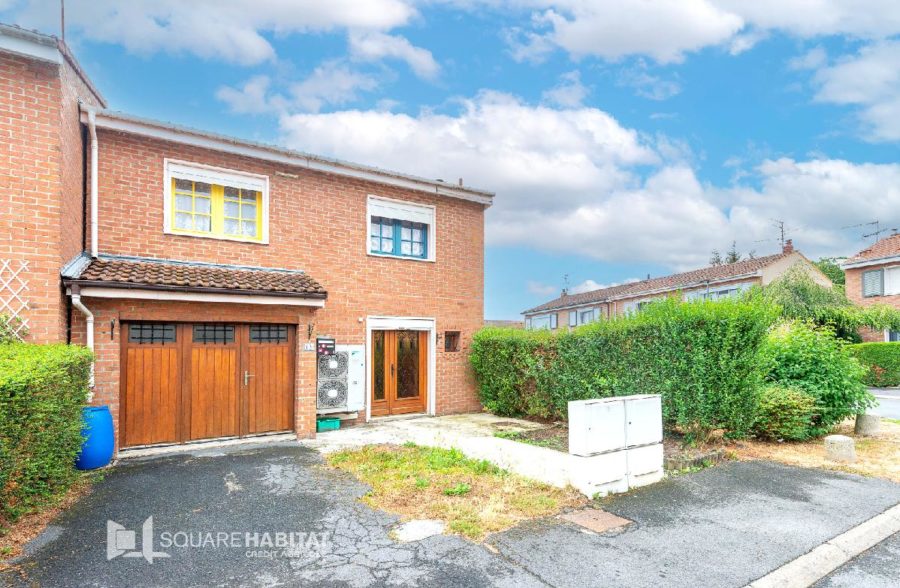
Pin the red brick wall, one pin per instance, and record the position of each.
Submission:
(40, 181)
(853, 289)
(30, 103)
(318, 224)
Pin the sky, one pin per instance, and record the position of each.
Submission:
(623, 138)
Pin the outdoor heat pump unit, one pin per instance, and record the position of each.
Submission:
(340, 380)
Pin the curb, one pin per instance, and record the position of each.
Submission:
(808, 569)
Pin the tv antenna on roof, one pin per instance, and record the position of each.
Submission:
(877, 234)
(62, 19)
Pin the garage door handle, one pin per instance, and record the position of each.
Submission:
(247, 376)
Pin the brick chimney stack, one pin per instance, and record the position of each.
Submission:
(788, 246)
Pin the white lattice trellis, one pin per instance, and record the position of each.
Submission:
(13, 295)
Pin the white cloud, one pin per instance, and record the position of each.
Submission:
(667, 30)
(375, 46)
(812, 59)
(871, 81)
(331, 84)
(232, 31)
(646, 84)
(538, 155)
(570, 181)
(569, 93)
(251, 98)
(664, 30)
(812, 18)
(541, 289)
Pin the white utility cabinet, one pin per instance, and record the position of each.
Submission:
(356, 376)
(622, 436)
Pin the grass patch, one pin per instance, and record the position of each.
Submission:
(875, 456)
(474, 497)
(555, 436)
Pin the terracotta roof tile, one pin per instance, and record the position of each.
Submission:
(162, 274)
(888, 247)
(662, 284)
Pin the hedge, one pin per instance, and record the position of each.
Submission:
(784, 414)
(881, 360)
(702, 357)
(801, 355)
(42, 391)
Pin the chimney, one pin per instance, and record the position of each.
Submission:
(788, 246)
(565, 292)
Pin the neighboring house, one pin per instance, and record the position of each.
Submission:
(203, 269)
(505, 324)
(719, 281)
(872, 276)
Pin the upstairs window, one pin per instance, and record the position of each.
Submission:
(400, 229)
(392, 236)
(211, 202)
(872, 283)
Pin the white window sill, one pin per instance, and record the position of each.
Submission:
(216, 237)
(400, 257)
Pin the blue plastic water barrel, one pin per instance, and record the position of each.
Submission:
(99, 439)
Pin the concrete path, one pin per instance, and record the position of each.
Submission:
(724, 526)
(888, 402)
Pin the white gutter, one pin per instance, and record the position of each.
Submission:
(167, 132)
(870, 262)
(95, 215)
(89, 319)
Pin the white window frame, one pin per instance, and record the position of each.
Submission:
(542, 321)
(573, 318)
(199, 172)
(409, 211)
(584, 311)
(890, 285)
(862, 280)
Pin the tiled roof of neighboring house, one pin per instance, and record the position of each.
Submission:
(506, 324)
(715, 273)
(159, 274)
(888, 247)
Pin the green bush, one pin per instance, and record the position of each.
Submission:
(11, 329)
(801, 355)
(700, 356)
(784, 414)
(881, 360)
(42, 391)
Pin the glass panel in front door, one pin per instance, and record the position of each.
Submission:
(378, 383)
(408, 371)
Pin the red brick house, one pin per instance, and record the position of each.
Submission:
(872, 276)
(718, 281)
(208, 272)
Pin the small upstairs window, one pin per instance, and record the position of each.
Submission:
(204, 201)
(872, 283)
(400, 229)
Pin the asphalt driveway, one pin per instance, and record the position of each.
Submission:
(213, 510)
(888, 402)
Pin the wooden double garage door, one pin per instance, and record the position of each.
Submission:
(183, 382)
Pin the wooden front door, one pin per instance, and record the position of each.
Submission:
(399, 372)
(184, 382)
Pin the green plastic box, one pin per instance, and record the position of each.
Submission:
(328, 424)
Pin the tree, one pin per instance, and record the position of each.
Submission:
(715, 258)
(800, 297)
(733, 256)
(830, 267)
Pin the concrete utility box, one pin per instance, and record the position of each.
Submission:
(617, 442)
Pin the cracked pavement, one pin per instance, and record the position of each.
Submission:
(724, 526)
